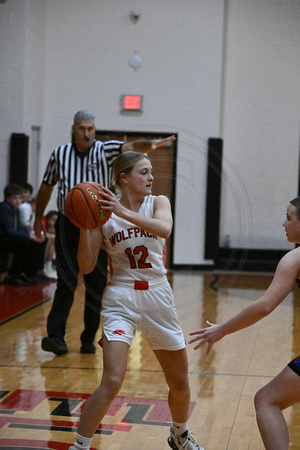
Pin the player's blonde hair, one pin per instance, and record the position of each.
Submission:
(125, 163)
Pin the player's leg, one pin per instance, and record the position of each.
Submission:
(175, 368)
(282, 392)
(114, 369)
(94, 283)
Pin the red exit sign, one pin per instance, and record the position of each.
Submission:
(131, 102)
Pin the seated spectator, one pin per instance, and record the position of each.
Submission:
(49, 221)
(37, 250)
(26, 211)
(14, 239)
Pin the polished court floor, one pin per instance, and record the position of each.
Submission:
(41, 395)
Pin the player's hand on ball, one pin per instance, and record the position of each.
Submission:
(111, 203)
(83, 206)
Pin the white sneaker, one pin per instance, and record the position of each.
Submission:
(183, 441)
(53, 274)
(49, 273)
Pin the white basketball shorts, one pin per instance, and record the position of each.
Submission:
(127, 306)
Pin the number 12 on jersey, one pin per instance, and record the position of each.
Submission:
(137, 257)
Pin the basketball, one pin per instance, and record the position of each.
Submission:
(83, 208)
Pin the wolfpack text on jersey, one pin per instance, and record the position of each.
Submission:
(134, 253)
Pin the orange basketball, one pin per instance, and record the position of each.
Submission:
(83, 208)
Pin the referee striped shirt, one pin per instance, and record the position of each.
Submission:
(68, 166)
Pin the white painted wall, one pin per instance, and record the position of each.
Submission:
(260, 119)
(210, 68)
(12, 64)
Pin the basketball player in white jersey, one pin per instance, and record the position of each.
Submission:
(138, 295)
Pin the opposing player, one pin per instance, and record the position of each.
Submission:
(138, 295)
(284, 390)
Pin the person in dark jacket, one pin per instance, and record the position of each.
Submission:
(13, 238)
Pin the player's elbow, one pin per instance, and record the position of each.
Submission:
(165, 233)
(85, 269)
(168, 233)
(265, 310)
(86, 265)
(166, 227)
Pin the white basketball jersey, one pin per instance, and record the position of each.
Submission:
(134, 253)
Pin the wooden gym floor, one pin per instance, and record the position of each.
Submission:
(41, 395)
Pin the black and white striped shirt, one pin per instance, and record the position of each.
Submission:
(68, 166)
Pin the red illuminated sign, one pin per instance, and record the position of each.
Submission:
(131, 102)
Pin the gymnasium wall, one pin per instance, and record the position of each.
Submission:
(210, 68)
(260, 120)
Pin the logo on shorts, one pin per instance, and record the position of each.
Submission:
(119, 332)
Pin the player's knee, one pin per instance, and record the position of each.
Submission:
(180, 387)
(261, 399)
(114, 384)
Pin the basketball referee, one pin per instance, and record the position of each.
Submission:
(85, 159)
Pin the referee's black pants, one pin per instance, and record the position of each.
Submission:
(66, 246)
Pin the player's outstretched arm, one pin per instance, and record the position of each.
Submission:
(146, 146)
(281, 285)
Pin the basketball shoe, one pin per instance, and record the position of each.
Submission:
(73, 448)
(184, 441)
